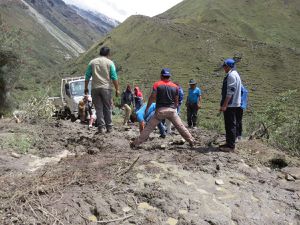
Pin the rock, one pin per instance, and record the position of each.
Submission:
(126, 209)
(93, 151)
(15, 155)
(288, 177)
(172, 221)
(281, 176)
(79, 148)
(293, 171)
(127, 128)
(219, 182)
(178, 142)
(162, 146)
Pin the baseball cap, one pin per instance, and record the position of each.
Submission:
(166, 72)
(229, 62)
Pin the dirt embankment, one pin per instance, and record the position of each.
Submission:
(72, 176)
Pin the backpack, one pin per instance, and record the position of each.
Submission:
(244, 97)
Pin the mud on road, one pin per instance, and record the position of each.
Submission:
(69, 175)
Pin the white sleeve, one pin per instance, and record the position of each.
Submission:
(231, 85)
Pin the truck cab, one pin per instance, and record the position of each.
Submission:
(72, 91)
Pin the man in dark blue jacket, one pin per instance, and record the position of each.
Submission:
(230, 103)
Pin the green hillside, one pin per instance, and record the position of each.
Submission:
(142, 46)
(39, 52)
(272, 21)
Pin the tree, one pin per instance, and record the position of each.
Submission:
(9, 62)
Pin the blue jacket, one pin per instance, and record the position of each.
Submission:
(244, 97)
(180, 95)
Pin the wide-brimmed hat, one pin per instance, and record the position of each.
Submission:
(192, 81)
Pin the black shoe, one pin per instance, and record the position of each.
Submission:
(162, 136)
(226, 148)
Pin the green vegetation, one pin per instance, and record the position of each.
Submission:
(32, 65)
(18, 142)
(9, 60)
(37, 109)
(279, 122)
(271, 21)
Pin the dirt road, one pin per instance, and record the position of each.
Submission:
(71, 176)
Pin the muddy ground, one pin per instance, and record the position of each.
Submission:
(61, 173)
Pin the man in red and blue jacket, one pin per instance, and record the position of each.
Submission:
(165, 94)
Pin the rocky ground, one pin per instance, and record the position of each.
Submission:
(61, 173)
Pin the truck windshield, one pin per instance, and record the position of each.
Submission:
(77, 88)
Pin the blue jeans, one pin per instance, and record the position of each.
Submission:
(161, 127)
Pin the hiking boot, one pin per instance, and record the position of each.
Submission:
(226, 148)
(133, 146)
(100, 130)
(109, 129)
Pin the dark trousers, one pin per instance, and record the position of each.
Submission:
(230, 125)
(102, 99)
(239, 122)
(192, 110)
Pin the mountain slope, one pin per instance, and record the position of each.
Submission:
(69, 21)
(102, 22)
(273, 21)
(41, 45)
(63, 38)
(142, 46)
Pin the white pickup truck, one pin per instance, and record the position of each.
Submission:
(72, 91)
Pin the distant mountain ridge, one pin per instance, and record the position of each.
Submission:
(71, 22)
(104, 23)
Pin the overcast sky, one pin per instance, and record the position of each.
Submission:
(121, 9)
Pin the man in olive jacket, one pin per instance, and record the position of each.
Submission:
(103, 73)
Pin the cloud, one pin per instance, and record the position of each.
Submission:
(121, 9)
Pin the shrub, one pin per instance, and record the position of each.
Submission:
(279, 123)
(36, 109)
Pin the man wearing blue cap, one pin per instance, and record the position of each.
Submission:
(230, 103)
(165, 94)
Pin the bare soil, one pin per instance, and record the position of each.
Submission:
(70, 175)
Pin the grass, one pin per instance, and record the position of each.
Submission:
(21, 143)
(198, 54)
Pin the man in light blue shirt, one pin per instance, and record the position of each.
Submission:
(143, 118)
(193, 103)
